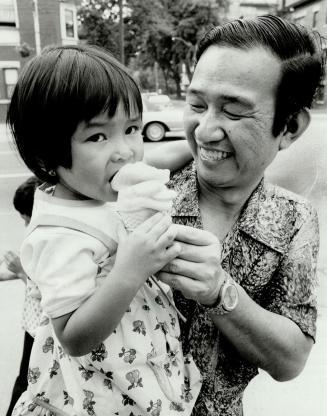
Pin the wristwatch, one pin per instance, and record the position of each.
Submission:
(227, 299)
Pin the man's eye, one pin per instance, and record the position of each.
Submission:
(97, 138)
(133, 129)
(197, 107)
(233, 116)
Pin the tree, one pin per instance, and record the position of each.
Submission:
(162, 31)
(99, 24)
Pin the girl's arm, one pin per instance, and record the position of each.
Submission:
(139, 255)
(172, 155)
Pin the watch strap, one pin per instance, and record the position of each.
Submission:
(217, 308)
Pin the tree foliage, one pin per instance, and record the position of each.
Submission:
(162, 31)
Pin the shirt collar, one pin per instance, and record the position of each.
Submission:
(258, 218)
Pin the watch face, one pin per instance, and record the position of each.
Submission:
(230, 297)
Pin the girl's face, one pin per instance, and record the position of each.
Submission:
(100, 148)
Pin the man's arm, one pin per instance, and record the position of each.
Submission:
(173, 155)
(268, 340)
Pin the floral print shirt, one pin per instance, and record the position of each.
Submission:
(271, 251)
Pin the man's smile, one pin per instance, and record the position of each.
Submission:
(214, 155)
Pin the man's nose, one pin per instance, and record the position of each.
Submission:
(122, 152)
(210, 128)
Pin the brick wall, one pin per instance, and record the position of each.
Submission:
(49, 18)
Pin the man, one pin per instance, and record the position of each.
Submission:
(253, 83)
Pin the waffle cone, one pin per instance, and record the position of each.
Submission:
(132, 219)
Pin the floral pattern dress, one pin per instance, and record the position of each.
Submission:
(138, 370)
(271, 251)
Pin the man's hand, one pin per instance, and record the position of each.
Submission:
(196, 272)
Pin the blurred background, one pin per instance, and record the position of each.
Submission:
(156, 40)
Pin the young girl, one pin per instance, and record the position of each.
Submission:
(111, 343)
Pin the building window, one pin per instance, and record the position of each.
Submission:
(10, 77)
(7, 13)
(68, 21)
(315, 18)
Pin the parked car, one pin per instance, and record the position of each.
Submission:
(161, 118)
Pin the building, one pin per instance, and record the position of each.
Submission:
(313, 15)
(310, 13)
(251, 8)
(26, 26)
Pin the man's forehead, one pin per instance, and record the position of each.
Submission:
(235, 74)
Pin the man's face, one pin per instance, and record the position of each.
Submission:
(229, 115)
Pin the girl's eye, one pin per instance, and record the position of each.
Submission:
(97, 138)
(132, 129)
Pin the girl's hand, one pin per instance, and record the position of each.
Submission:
(148, 248)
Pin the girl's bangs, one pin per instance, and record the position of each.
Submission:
(105, 88)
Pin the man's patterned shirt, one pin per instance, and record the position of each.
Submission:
(271, 251)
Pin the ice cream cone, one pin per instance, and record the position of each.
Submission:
(132, 219)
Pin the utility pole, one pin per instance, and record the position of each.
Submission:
(121, 32)
(36, 27)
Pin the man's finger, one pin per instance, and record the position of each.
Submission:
(187, 268)
(198, 254)
(189, 287)
(195, 236)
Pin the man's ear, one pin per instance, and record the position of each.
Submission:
(294, 128)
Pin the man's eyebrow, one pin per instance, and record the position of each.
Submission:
(237, 99)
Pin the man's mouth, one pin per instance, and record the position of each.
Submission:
(214, 155)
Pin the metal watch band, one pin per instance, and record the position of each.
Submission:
(218, 308)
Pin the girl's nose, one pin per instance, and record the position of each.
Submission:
(122, 153)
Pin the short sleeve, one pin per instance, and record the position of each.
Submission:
(61, 263)
(292, 291)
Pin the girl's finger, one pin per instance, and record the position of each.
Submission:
(172, 252)
(161, 227)
(166, 238)
(148, 224)
(121, 232)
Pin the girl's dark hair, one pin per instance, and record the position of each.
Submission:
(24, 196)
(57, 90)
(300, 52)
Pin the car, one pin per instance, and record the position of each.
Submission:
(161, 117)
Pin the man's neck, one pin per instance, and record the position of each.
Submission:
(221, 207)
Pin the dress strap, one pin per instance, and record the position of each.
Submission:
(67, 222)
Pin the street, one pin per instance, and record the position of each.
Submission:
(302, 169)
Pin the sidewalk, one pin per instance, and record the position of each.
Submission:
(303, 396)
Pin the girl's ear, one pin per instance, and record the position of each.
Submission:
(294, 128)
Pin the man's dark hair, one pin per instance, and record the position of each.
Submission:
(57, 90)
(24, 196)
(300, 52)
